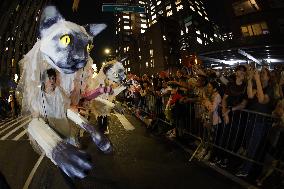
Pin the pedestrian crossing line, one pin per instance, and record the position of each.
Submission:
(5, 120)
(12, 125)
(20, 135)
(7, 123)
(15, 129)
(125, 123)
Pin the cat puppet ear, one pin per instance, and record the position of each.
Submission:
(95, 29)
(50, 15)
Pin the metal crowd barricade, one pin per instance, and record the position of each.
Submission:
(249, 135)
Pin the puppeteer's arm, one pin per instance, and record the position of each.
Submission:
(72, 161)
(99, 139)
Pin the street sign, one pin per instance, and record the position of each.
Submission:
(122, 8)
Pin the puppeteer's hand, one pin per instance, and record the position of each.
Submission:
(72, 161)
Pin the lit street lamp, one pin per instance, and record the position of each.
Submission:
(107, 51)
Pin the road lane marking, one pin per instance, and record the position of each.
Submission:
(12, 125)
(20, 135)
(15, 129)
(4, 124)
(32, 173)
(125, 123)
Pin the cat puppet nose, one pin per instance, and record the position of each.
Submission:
(80, 64)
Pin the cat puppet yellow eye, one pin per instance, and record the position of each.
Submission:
(65, 40)
(90, 47)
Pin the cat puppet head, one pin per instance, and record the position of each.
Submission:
(65, 45)
(114, 71)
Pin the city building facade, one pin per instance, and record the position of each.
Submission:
(152, 41)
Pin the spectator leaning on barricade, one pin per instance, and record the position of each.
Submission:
(234, 100)
(210, 103)
(262, 97)
(274, 146)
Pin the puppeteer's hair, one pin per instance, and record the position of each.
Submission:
(51, 72)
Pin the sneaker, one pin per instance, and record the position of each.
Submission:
(224, 163)
(207, 156)
(214, 161)
(172, 135)
(201, 153)
(242, 174)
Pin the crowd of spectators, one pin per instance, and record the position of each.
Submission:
(9, 107)
(240, 109)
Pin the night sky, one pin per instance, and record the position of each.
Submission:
(218, 12)
(91, 12)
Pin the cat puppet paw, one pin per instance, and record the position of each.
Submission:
(72, 161)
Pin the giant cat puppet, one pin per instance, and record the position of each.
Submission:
(64, 46)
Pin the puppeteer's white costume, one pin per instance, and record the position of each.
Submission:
(63, 46)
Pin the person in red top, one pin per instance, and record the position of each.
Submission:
(174, 98)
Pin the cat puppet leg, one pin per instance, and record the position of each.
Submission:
(99, 139)
(72, 161)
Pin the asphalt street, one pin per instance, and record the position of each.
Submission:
(140, 160)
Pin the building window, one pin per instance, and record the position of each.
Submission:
(147, 64)
(168, 7)
(143, 26)
(160, 12)
(255, 29)
(128, 69)
(164, 37)
(178, 2)
(159, 2)
(126, 27)
(180, 7)
(151, 52)
(126, 17)
(245, 7)
(199, 40)
(152, 63)
(169, 13)
(197, 32)
(191, 7)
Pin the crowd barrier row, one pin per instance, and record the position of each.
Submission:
(256, 138)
